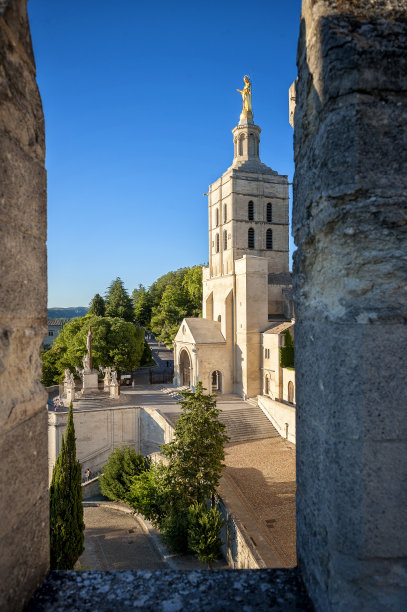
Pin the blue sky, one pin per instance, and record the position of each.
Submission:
(139, 100)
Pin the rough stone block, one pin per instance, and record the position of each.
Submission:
(350, 378)
(23, 566)
(23, 477)
(23, 264)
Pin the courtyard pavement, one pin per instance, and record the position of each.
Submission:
(116, 539)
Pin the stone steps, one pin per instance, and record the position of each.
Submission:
(247, 424)
(242, 424)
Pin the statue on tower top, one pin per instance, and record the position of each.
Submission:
(246, 94)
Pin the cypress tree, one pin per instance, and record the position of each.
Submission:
(97, 306)
(118, 302)
(66, 510)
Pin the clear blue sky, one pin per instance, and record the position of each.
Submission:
(140, 99)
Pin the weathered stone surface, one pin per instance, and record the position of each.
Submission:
(24, 501)
(25, 553)
(173, 591)
(23, 476)
(350, 227)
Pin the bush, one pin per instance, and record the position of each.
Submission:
(174, 529)
(146, 495)
(203, 533)
(119, 471)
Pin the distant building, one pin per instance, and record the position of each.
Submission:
(54, 327)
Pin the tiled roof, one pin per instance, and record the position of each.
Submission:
(56, 322)
(278, 328)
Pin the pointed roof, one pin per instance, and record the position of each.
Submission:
(200, 331)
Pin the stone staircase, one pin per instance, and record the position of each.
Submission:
(242, 424)
(246, 424)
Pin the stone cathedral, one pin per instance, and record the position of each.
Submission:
(247, 284)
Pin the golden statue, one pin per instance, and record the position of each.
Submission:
(246, 94)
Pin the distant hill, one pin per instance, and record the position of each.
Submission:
(67, 313)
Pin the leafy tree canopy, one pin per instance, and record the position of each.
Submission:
(115, 342)
(123, 464)
(170, 298)
(166, 493)
(142, 307)
(196, 454)
(118, 301)
(97, 306)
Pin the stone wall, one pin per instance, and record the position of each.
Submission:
(91, 488)
(23, 316)
(349, 224)
(236, 547)
(281, 415)
(100, 430)
(154, 431)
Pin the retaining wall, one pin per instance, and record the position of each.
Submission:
(281, 415)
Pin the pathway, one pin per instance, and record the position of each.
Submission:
(116, 539)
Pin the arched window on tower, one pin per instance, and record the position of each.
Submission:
(269, 216)
(269, 239)
(252, 144)
(225, 213)
(250, 238)
(225, 240)
(250, 211)
(241, 144)
(217, 243)
(217, 217)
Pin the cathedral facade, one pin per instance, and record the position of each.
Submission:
(247, 284)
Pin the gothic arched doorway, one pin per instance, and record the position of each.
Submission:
(216, 382)
(185, 369)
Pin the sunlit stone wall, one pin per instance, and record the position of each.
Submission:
(349, 224)
(23, 316)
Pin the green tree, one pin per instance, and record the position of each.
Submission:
(115, 343)
(165, 493)
(148, 494)
(123, 464)
(168, 315)
(97, 306)
(50, 370)
(66, 511)
(118, 301)
(196, 454)
(192, 283)
(142, 308)
(147, 356)
(204, 527)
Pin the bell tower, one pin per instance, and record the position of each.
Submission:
(248, 204)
